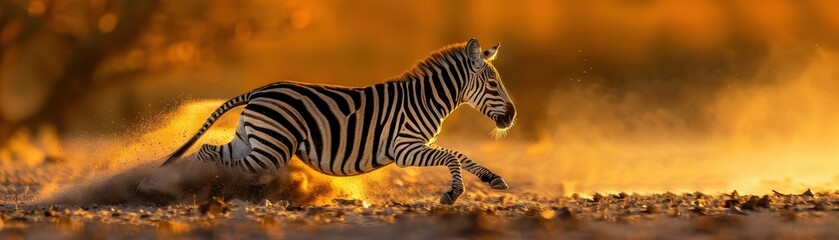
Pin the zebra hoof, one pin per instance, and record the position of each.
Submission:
(446, 199)
(499, 184)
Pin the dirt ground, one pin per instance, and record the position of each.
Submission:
(413, 213)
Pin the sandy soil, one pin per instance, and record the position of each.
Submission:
(410, 212)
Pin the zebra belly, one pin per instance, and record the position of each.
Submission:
(312, 159)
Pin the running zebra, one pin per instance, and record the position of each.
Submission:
(344, 131)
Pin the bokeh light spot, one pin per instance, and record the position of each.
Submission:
(300, 19)
(107, 23)
(37, 8)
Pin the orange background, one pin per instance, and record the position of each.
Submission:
(628, 95)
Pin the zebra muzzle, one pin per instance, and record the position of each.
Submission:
(506, 121)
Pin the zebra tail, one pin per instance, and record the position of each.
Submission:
(230, 104)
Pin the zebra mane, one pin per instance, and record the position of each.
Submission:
(436, 58)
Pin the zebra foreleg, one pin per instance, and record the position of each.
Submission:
(483, 173)
(420, 155)
(495, 182)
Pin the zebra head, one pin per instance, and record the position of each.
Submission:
(484, 90)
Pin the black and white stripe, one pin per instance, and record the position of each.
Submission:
(349, 131)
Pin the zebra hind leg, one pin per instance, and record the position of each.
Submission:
(210, 153)
(270, 149)
(227, 153)
(220, 154)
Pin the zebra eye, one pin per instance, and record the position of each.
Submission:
(492, 84)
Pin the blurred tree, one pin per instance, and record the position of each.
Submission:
(50, 51)
(98, 66)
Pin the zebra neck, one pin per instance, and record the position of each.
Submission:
(431, 99)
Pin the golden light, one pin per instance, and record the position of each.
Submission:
(37, 8)
(615, 96)
(243, 31)
(300, 19)
(107, 22)
(181, 52)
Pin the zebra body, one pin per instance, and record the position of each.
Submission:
(337, 131)
(345, 131)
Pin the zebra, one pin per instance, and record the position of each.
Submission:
(345, 131)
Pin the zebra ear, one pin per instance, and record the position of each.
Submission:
(489, 54)
(473, 49)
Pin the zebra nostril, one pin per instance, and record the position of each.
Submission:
(506, 119)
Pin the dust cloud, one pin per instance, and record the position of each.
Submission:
(775, 130)
(110, 171)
